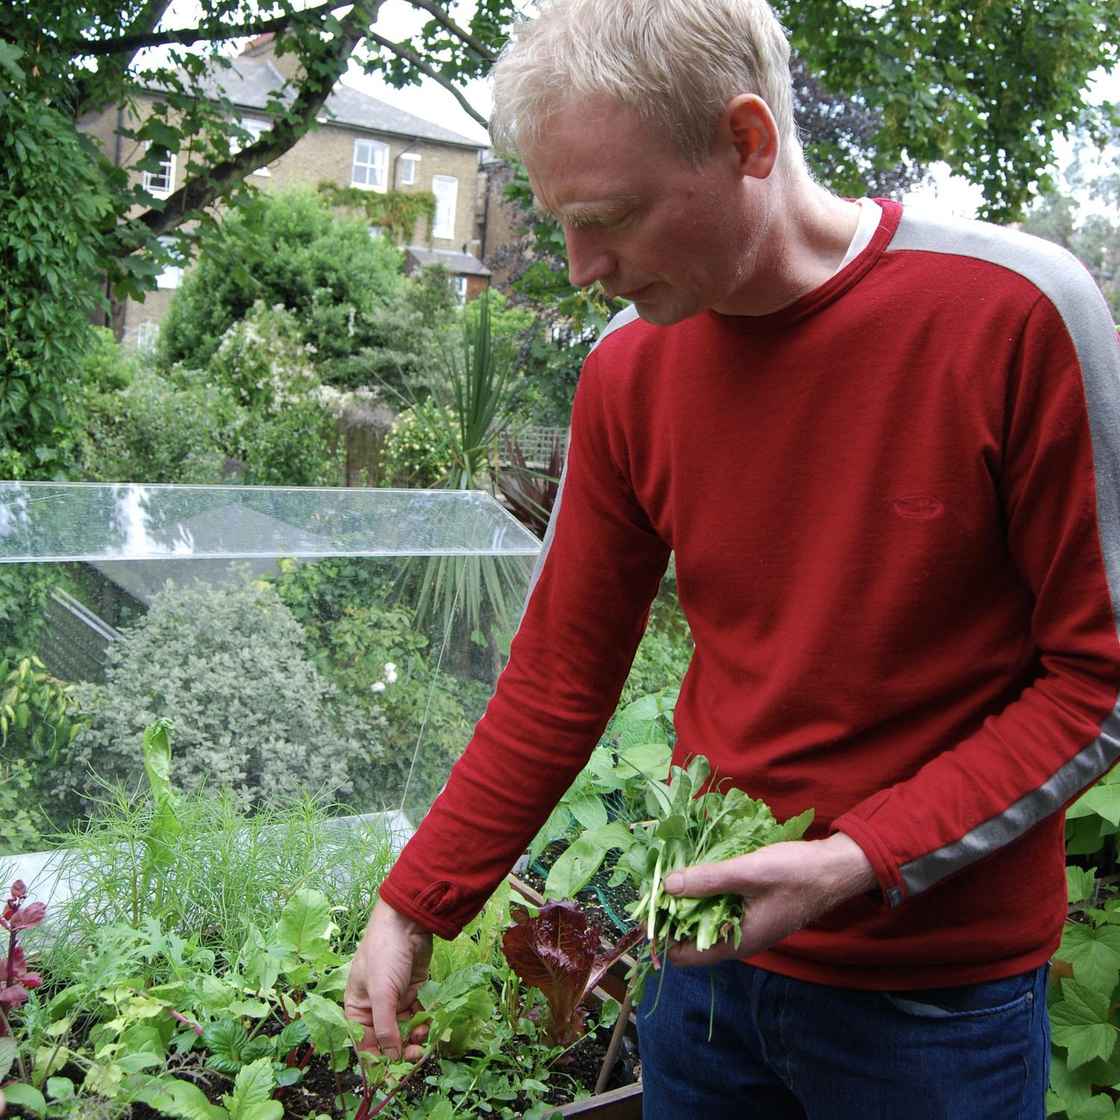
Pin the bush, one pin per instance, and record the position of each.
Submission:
(419, 451)
(252, 714)
(157, 430)
(355, 634)
(38, 723)
(284, 248)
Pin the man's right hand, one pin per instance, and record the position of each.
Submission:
(390, 964)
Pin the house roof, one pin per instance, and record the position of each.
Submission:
(460, 264)
(248, 82)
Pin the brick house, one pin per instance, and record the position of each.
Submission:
(359, 142)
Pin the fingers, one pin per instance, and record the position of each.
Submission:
(687, 955)
(703, 880)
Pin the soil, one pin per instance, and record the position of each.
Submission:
(316, 1094)
(604, 905)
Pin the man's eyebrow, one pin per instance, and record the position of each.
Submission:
(587, 213)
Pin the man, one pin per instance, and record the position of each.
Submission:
(882, 448)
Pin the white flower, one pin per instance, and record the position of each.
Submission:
(378, 686)
(390, 667)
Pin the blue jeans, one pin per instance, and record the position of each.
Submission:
(784, 1049)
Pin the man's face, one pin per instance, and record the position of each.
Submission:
(672, 238)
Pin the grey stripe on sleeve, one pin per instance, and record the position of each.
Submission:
(1064, 281)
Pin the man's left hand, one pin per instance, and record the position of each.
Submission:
(786, 886)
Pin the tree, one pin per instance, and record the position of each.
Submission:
(983, 86)
(48, 275)
(1094, 239)
(286, 248)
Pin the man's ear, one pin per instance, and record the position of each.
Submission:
(749, 126)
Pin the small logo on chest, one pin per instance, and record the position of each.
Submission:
(918, 507)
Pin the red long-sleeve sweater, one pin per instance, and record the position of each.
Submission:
(894, 509)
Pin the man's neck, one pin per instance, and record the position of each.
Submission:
(807, 232)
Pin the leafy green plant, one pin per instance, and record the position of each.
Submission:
(686, 826)
(229, 666)
(417, 452)
(39, 722)
(199, 865)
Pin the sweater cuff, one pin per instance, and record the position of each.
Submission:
(419, 906)
(891, 886)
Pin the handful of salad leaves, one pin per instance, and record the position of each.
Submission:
(683, 829)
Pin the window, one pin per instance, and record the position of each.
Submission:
(147, 335)
(409, 170)
(172, 275)
(460, 286)
(255, 127)
(161, 182)
(446, 189)
(370, 160)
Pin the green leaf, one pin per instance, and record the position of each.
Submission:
(1080, 1022)
(8, 1052)
(26, 1096)
(1081, 883)
(1102, 799)
(1094, 953)
(9, 62)
(327, 1025)
(574, 868)
(589, 811)
(1099, 1107)
(178, 1098)
(60, 1088)
(251, 1092)
(305, 924)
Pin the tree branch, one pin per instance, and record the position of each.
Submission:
(114, 71)
(201, 190)
(186, 36)
(411, 56)
(445, 21)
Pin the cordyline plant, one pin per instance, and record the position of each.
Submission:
(559, 952)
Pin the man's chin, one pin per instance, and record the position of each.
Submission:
(660, 314)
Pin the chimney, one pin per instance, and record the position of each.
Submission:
(263, 47)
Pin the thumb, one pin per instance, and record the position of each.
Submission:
(703, 880)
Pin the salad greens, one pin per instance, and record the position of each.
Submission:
(685, 827)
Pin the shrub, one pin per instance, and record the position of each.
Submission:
(251, 713)
(38, 723)
(158, 430)
(263, 361)
(288, 248)
(419, 451)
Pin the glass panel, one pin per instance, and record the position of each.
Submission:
(341, 643)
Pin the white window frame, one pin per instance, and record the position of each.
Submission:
(254, 126)
(146, 335)
(375, 168)
(172, 276)
(410, 177)
(460, 285)
(168, 174)
(443, 223)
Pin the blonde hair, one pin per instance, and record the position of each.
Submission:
(676, 62)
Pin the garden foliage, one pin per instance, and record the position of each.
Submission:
(252, 714)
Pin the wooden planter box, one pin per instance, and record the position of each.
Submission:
(624, 1103)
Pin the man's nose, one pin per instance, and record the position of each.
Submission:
(588, 261)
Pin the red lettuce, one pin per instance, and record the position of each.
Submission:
(559, 952)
